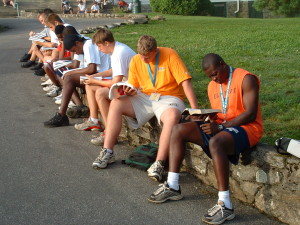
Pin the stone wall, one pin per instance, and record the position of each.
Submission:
(265, 179)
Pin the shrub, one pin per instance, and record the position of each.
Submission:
(183, 7)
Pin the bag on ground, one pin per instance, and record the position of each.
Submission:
(143, 156)
(287, 146)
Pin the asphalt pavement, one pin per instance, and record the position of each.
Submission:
(46, 174)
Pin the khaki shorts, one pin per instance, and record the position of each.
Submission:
(145, 108)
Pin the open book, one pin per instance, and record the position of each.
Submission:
(198, 112)
(116, 90)
(61, 63)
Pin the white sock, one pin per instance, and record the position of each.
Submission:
(224, 196)
(109, 150)
(173, 180)
(94, 120)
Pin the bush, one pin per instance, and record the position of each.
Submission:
(183, 7)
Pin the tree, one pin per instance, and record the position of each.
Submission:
(182, 7)
(279, 7)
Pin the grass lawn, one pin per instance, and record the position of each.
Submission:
(269, 48)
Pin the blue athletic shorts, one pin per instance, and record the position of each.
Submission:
(59, 71)
(240, 138)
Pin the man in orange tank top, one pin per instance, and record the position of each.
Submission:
(239, 127)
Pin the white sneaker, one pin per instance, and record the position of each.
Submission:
(58, 101)
(54, 92)
(49, 88)
(70, 105)
(46, 83)
(58, 97)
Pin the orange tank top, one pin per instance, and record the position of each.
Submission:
(235, 106)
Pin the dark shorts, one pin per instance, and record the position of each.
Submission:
(240, 138)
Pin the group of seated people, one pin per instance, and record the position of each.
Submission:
(96, 7)
(160, 83)
(8, 3)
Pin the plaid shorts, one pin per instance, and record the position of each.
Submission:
(240, 139)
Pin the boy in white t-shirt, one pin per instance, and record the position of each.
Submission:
(95, 8)
(94, 61)
(97, 90)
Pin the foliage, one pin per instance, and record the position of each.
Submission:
(269, 48)
(279, 7)
(182, 7)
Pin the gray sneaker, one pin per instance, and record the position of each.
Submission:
(89, 125)
(156, 170)
(103, 159)
(99, 140)
(164, 193)
(218, 214)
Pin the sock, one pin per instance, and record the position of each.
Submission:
(109, 150)
(94, 120)
(173, 180)
(224, 196)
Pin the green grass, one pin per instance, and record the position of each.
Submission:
(269, 48)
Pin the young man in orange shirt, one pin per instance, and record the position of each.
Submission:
(238, 128)
(163, 81)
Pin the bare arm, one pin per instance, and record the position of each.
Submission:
(106, 73)
(190, 94)
(90, 69)
(103, 83)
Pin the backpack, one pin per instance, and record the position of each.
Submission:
(288, 146)
(143, 156)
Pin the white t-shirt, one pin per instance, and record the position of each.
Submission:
(93, 55)
(80, 59)
(95, 8)
(81, 7)
(120, 59)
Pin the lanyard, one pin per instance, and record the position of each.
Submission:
(225, 100)
(153, 78)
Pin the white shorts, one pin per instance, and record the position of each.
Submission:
(145, 108)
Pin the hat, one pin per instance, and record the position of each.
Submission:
(70, 40)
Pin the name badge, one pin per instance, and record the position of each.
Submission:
(154, 97)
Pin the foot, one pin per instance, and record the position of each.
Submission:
(25, 57)
(103, 159)
(164, 193)
(156, 170)
(28, 64)
(37, 66)
(98, 140)
(57, 121)
(40, 72)
(89, 125)
(218, 214)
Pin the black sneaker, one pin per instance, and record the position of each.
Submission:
(80, 111)
(28, 64)
(37, 67)
(164, 193)
(57, 121)
(218, 214)
(40, 72)
(25, 58)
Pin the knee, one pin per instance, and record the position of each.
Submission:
(177, 132)
(101, 94)
(215, 145)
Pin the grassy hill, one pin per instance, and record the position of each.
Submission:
(269, 48)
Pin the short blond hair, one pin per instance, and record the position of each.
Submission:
(146, 44)
(103, 35)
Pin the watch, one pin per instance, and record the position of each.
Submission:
(221, 127)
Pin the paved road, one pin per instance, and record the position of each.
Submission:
(46, 175)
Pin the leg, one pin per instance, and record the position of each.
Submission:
(118, 107)
(169, 118)
(220, 146)
(103, 102)
(182, 133)
(52, 76)
(90, 92)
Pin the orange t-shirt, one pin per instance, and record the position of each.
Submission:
(67, 53)
(171, 73)
(235, 106)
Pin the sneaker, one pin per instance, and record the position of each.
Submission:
(57, 121)
(80, 111)
(58, 97)
(99, 140)
(45, 78)
(54, 92)
(89, 125)
(46, 83)
(37, 66)
(218, 214)
(156, 170)
(103, 159)
(25, 57)
(28, 64)
(49, 88)
(164, 193)
(40, 72)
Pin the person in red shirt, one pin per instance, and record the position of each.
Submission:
(223, 137)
